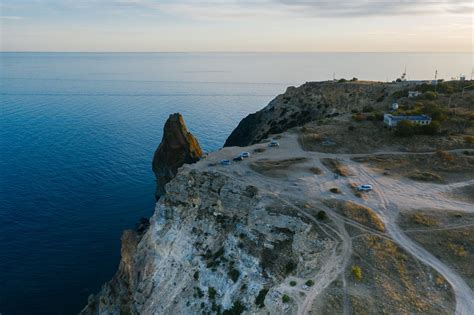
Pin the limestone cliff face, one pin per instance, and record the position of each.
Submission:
(214, 244)
(311, 101)
(177, 147)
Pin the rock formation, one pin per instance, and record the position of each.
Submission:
(265, 236)
(177, 147)
(311, 101)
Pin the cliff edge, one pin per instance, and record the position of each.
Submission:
(177, 147)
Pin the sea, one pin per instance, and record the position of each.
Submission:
(77, 136)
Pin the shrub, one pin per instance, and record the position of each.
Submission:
(469, 139)
(368, 109)
(359, 117)
(357, 272)
(196, 275)
(285, 298)
(211, 292)
(354, 79)
(199, 292)
(405, 128)
(335, 190)
(234, 274)
(351, 128)
(342, 80)
(292, 283)
(260, 300)
(430, 129)
(290, 267)
(236, 309)
(309, 283)
(430, 95)
(321, 215)
(445, 156)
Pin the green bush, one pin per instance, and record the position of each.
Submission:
(357, 272)
(211, 292)
(285, 298)
(321, 215)
(234, 274)
(354, 79)
(290, 267)
(430, 129)
(236, 309)
(429, 95)
(260, 300)
(196, 275)
(405, 128)
(292, 283)
(309, 283)
(342, 80)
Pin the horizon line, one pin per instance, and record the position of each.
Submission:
(234, 52)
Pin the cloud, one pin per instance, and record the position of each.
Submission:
(304, 8)
(347, 8)
(11, 17)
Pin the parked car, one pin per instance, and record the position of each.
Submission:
(239, 158)
(365, 187)
(274, 143)
(245, 154)
(225, 162)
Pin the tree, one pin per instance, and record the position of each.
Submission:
(405, 128)
(430, 129)
(429, 95)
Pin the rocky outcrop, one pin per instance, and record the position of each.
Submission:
(311, 101)
(213, 244)
(177, 147)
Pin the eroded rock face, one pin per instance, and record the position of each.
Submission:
(311, 101)
(213, 244)
(177, 147)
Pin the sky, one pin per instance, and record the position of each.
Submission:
(237, 25)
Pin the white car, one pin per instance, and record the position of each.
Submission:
(274, 143)
(225, 162)
(245, 154)
(365, 187)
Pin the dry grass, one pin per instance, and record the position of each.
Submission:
(336, 166)
(361, 214)
(465, 193)
(454, 246)
(276, 168)
(439, 167)
(425, 177)
(315, 170)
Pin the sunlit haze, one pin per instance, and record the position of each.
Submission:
(239, 25)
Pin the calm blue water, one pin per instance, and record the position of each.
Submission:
(78, 132)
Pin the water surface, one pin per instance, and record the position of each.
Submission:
(78, 132)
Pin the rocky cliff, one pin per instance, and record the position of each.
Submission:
(278, 233)
(309, 102)
(177, 147)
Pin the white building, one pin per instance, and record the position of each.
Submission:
(392, 121)
(412, 94)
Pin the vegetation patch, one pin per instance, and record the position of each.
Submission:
(449, 235)
(260, 299)
(276, 168)
(359, 213)
(336, 166)
(315, 170)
